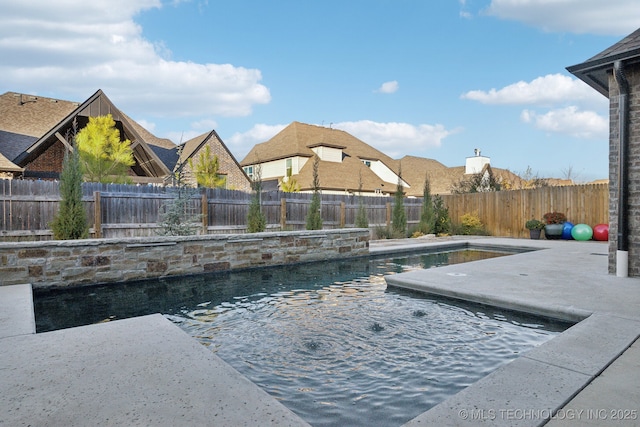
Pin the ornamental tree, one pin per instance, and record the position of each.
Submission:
(103, 156)
(314, 216)
(399, 222)
(256, 220)
(70, 222)
(427, 214)
(206, 170)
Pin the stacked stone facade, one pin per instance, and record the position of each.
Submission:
(633, 168)
(93, 261)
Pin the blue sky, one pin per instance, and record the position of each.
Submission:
(411, 77)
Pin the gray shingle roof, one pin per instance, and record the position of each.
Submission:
(13, 144)
(595, 71)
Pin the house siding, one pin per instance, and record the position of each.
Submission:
(328, 154)
(633, 165)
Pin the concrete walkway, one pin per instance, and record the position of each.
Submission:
(585, 376)
(146, 371)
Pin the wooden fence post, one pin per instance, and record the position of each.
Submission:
(97, 215)
(388, 214)
(205, 213)
(283, 214)
(343, 214)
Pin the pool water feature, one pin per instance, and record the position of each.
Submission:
(328, 340)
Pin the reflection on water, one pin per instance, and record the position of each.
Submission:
(329, 340)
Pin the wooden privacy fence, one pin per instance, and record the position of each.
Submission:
(27, 208)
(504, 213)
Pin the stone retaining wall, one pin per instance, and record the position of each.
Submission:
(80, 262)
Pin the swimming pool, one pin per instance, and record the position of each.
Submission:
(328, 340)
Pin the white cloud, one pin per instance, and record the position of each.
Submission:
(150, 126)
(182, 136)
(613, 17)
(464, 13)
(573, 108)
(548, 90)
(570, 121)
(397, 139)
(204, 125)
(76, 47)
(241, 143)
(388, 87)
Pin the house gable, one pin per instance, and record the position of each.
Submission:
(237, 179)
(42, 158)
(328, 152)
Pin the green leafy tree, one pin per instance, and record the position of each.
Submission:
(206, 170)
(442, 220)
(399, 223)
(427, 214)
(290, 185)
(70, 222)
(103, 156)
(482, 182)
(361, 217)
(256, 220)
(177, 217)
(314, 216)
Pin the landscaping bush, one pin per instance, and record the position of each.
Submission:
(470, 225)
(443, 222)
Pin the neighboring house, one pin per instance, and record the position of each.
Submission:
(35, 130)
(344, 160)
(615, 73)
(229, 168)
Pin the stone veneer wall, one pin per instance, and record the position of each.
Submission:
(63, 263)
(633, 168)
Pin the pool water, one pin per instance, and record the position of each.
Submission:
(329, 340)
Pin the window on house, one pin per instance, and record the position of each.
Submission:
(249, 171)
(367, 163)
(289, 166)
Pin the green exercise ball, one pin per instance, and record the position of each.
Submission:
(581, 232)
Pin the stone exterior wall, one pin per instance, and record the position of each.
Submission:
(633, 76)
(64, 263)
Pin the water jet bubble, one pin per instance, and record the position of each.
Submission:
(419, 313)
(376, 327)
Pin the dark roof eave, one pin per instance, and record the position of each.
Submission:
(594, 72)
(273, 159)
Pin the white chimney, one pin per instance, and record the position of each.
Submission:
(476, 163)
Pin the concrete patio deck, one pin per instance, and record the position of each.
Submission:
(146, 371)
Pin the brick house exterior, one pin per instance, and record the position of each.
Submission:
(615, 72)
(228, 165)
(33, 141)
